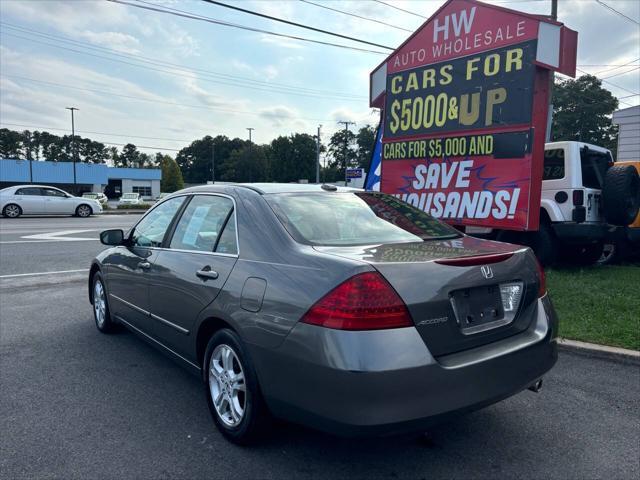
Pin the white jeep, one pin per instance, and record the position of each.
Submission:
(585, 196)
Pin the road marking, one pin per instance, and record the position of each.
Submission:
(59, 236)
(49, 241)
(43, 273)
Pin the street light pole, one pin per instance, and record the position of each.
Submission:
(346, 130)
(73, 145)
(213, 161)
(251, 129)
(318, 155)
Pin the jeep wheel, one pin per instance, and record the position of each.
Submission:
(543, 243)
(621, 195)
(583, 255)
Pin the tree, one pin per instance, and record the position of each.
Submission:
(171, 175)
(129, 157)
(10, 143)
(246, 164)
(582, 111)
(365, 140)
(293, 158)
(337, 150)
(195, 160)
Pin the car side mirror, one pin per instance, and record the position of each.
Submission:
(112, 237)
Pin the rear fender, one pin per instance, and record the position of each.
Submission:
(553, 210)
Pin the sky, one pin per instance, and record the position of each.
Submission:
(162, 81)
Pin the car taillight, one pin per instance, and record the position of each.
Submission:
(542, 288)
(578, 198)
(363, 302)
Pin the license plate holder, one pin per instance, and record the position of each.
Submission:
(478, 308)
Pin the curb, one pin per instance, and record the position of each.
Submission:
(599, 351)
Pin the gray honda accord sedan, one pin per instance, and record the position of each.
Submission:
(348, 311)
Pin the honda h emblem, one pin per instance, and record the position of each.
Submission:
(486, 271)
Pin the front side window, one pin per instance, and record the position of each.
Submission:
(553, 164)
(359, 218)
(202, 223)
(150, 231)
(29, 191)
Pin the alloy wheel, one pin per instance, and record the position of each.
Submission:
(12, 211)
(227, 385)
(84, 211)
(99, 303)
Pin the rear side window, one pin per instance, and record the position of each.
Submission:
(202, 223)
(359, 218)
(29, 191)
(150, 231)
(553, 164)
(50, 192)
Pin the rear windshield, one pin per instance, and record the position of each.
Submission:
(130, 195)
(594, 166)
(358, 218)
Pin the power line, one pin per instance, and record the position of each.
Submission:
(142, 99)
(163, 63)
(400, 9)
(173, 73)
(617, 66)
(295, 24)
(610, 83)
(181, 13)
(357, 16)
(609, 7)
(621, 73)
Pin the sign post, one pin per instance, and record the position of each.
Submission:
(464, 111)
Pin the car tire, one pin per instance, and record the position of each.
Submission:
(621, 195)
(11, 210)
(544, 244)
(101, 311)
(83, 211)
(240, 415)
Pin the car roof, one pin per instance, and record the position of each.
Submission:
(267, 188)
(32, 185)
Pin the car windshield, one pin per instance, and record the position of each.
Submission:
(90, 195)
(130, 195)
(358, 218)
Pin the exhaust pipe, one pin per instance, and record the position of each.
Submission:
(536, 386)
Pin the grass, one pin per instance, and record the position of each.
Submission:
(599, 304)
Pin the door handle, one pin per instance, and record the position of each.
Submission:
(144, 265)
(206, 273)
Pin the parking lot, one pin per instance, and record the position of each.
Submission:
(78, 404)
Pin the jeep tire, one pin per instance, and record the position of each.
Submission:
(621, 195)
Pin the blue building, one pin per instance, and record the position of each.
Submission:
(89, 177)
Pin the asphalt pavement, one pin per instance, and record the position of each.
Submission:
(45, 244)
(75, 403)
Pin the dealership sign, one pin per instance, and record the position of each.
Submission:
(464, 112)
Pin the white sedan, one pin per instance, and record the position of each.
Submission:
(44, 200)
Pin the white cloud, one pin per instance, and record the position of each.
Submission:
(278, 115)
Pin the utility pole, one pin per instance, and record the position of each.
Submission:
(213, 161)
(346, 130)
(554, 15)
(251, 129)
(73, 145)
(318, 155)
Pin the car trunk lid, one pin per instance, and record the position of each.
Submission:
(452, 288)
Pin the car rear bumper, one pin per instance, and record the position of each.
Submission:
(386, 382)
(581, 233)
